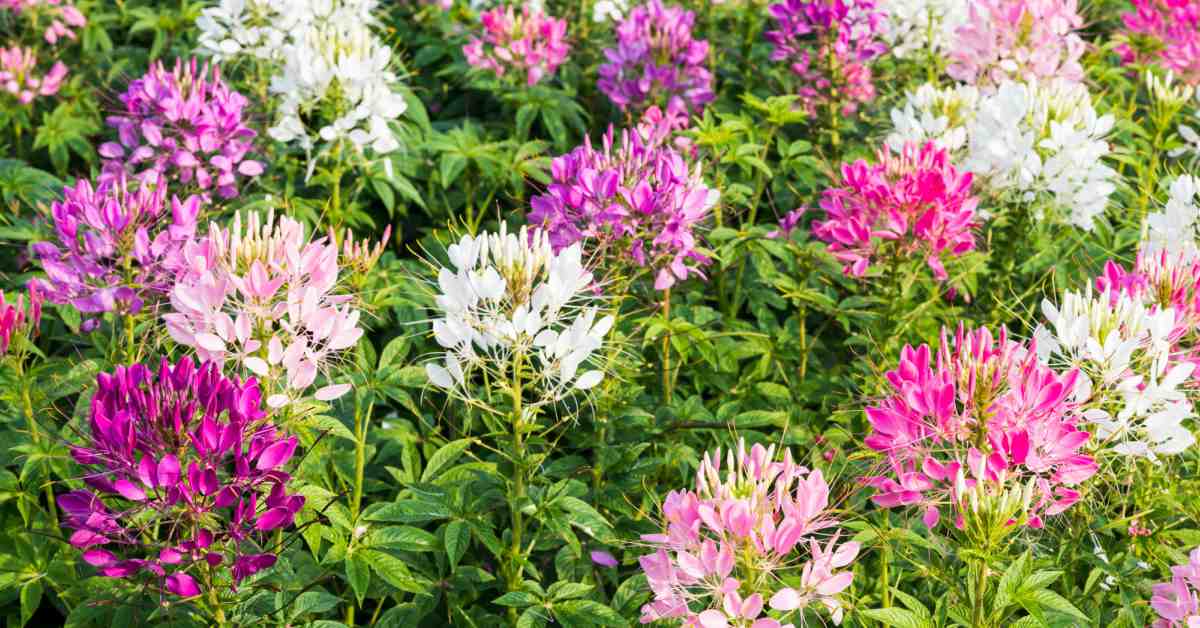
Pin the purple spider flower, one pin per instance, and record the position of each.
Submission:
(184, 471)
(185, 124)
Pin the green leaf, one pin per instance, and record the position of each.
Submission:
(31, 599)
(358, 572)
(585, 517)
(587, 613)
(569, 590)
(897, 617)
(313, 602)
(444, 457)
(411, 511)
(451, 166)
(394, 572)
(516, 599)
(402, 538)
(457, 540)
(1049, 600)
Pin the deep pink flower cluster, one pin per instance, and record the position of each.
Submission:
(1021, 40)
(63, 17)
(16, 319)
(656, 60)
(633, 199)
(186, 475)
(185, 124)
(530, 43)
(118, 245)
(1170, 30)
(829, 45)
(726, 544)
(914, 203)
(1178, 602)
(981, 409)
(20, 78)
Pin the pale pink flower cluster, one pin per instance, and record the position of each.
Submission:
(20, 78)
(980, 409)
(1178, 602)
(530, 43)
(265, 299)
(63, 17)
(725, 545)
(1019, 40)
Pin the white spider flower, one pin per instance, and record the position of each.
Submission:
(922, 25)
(1174, 229)
(263, 28)
(512, 308)
(938, 115)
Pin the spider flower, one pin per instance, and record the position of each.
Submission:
(20, 78)
(60, 18)
(929, 114)
(656, 60)
(1018, 40)
(16, 318)
(1174, 229)
(829, 45)
(1177, 602)
(185, 126)
(528, 43)
(118, 246)
(184, 475)
(266, 299)
(262, 29)
(726, 544)
(981, 409)
(913, 203)
(513, 307)
(632, 200)
(926, 26)
(1166, 32)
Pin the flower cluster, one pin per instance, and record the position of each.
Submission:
(635, 200)
(984, 409)
(529, 43)
(1018, 40)
(829, 46)
(20, 78)
(609, 10)
(739, 532)
(656, 60)
(922, 25)
(62, 17)
(1174, 229)
(512, 307)
(1166, 32)
(913, 204)
(262, 29)
(265, 298)
(1178, 602)
(184, 124)
(1035, 143)
(118, 246)
(185, 477)
(15, 318)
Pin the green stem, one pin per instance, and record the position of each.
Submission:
(666, 347)
(516, 568)
(977, 611)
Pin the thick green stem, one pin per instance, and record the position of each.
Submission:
(977, 611)
(516, 562)
(666, 347)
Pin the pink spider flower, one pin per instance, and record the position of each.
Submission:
(725, 544)
(20, 79)
(981, 408)
(912, 204)
(185, 125)
(1019, 40)
(266, 299)
(633, 200)
(184, 474)
(61, 17)
(530, 43)
(1177, 601)
(656, 61)
(1166, 32)
(117, 246)
(829, 45)
(1163, 280)
(17, 319)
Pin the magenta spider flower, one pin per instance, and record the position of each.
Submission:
(63, 17)
(1166, 32)
(530, 43)
(185, 125)
(726, 544)
(265, 299)
(1019, 40)
(656, 60)
(185, 476)
(634, 200)
(980, 409)
(118, 245)
(1177, 601)
(16, 319)
(829, 45)
(20, 78)
(913, 204)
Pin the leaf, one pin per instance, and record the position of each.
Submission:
(313, 602)
(358, 572)
(396, 348)
(1047, 599)
(402, 538)
(411, 511)
(585, 517)
(457, 540)
(516, 599)
(31, 599)
(569, 590)
(394, 572)
(444, 457)
(450, 167)
(897, 617)
(587, 613)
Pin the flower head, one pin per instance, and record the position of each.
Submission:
(943, 116)
(529, 43)
(118, 245)
(262, 29)
(184, 124)
(926, 26)
(184, 473)
(21, 79)
(1166, 32)
(1018, 40)
(60, 18)
(1177, 602)
(912, 202)
(725, 544)
(656, 60)
(15, 318)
